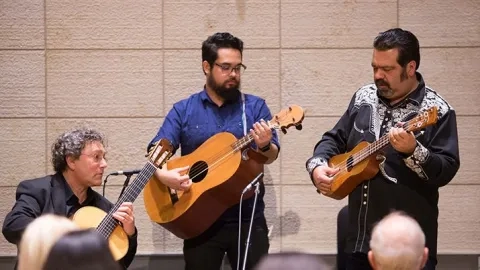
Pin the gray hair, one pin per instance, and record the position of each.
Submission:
(398, 242)
(71, 143)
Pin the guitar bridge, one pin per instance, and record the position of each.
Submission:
(173, 196)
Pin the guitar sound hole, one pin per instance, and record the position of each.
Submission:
(198, 171)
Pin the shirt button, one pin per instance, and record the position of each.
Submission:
(384, 126)
(365, 186)
(364, 203)
(365, 195)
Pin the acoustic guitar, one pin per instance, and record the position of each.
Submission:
(220, 169)
(362, 162)
(93, 217)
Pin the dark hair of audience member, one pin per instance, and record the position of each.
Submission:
(83, 249)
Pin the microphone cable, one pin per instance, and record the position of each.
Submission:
(104, 184)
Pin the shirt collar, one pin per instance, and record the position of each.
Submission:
(416, 96)
(71, 199)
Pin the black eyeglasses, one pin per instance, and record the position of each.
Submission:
(227, 69)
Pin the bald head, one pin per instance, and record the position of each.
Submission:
(397, 243)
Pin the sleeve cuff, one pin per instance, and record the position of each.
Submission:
(414, 161)
(134, 235)
(420, 154)
(313, 163)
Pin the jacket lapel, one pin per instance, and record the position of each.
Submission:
(58, 195)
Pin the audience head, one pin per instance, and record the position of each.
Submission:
(397, 243)
(82, 249)
(291, 261)
(39, 237)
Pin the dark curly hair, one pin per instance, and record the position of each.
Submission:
(71, 143)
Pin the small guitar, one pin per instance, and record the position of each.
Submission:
(361, 163)
(105, 224)
(220, 169)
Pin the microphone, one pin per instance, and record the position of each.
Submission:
(127, 173)
(254, 182)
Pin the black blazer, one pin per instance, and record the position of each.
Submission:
(47, 195)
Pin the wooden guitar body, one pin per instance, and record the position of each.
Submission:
(218, 184)
(90, 217)
(347, 180)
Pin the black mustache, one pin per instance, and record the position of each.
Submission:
(381, 82)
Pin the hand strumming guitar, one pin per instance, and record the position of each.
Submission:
(177, 178)
(322, 178)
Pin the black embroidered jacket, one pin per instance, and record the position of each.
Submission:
(409, 183)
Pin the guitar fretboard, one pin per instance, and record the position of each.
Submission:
(108, 224)
(241, 143)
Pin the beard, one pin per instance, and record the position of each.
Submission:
(231, 93)
(383, 87)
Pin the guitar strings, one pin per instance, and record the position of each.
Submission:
(226, 152)
(362, 154)
(221, 156)
(377, 145)
(108, 224)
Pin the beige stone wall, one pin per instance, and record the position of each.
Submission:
(118, 66)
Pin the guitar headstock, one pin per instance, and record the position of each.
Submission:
(287, 117)
(160, 152)
(423, 119)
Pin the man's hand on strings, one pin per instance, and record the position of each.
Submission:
(261, 133)
(401, 140)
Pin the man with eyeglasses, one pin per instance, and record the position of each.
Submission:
(78, 158)
(221, 107)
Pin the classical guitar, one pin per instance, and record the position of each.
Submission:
(220, 169)
(105, 224)
(362, 163)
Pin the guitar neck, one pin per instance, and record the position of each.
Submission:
(371, 149)
(108, 223)
(244, 141)
(378, 145)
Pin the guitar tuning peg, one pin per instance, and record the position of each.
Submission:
(299, 127)
(284, 130)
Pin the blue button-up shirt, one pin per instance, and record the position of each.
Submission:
(194, 120)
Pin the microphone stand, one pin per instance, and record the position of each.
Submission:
(125, 184)
(247, 241)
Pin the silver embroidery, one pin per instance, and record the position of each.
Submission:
(433, 99)
(315, 162)
(367, 95)
(356, 128)
(414, 161)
